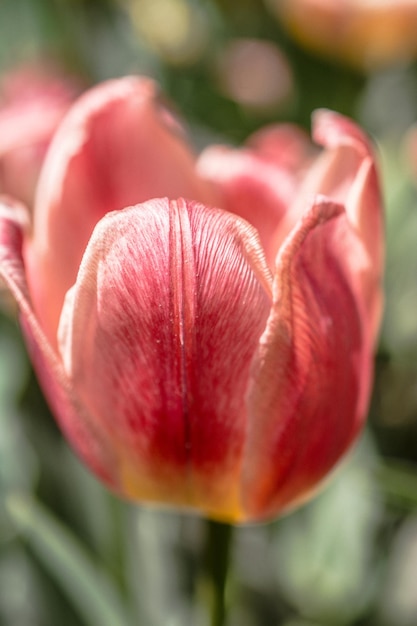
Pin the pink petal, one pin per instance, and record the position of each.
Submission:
(72, 417)
(312, 375)
(363, 203)
(32, 105)
(285, 145)
(336, 169)
(157, 336)
(259, 182)
(331, 129)
(118, 146)
(345, 172)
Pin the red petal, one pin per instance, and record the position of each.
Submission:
(74, 421)
(118, 146)
(311, 378)
(158, 335)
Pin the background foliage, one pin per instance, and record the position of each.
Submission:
(69, 552)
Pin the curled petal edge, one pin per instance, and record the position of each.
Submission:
(75, 425)
(314, 355)
(331, 129)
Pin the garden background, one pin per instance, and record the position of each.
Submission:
(71, 553)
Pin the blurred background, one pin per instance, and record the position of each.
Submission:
(70, 553)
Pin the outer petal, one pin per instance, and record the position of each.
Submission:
(259, 182)
(118, 146)
(157, 336)
(363, 203)
(312, 375)
(32, 104)
(345, 172)
(73, 419)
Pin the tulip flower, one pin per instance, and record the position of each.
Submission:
(202, 328)
(364, 34)
(32, 104)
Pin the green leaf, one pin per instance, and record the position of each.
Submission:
(397, 597)
(85, 583)
(325, 553)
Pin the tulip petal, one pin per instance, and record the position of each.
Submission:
(259, 182)
(158, 335)
(332, 129)
(32, 103)
(311, 376)
(117, 146)
(74, 422)
(363, 204)
(345, 173)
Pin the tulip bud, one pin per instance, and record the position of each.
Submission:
(194, 357)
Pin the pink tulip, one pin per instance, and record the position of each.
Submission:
(218, 359)
(32, 104)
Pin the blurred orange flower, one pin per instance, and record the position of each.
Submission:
(364, 33)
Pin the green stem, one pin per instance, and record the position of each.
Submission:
(217, 562)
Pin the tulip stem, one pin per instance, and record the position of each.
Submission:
(217, 561)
